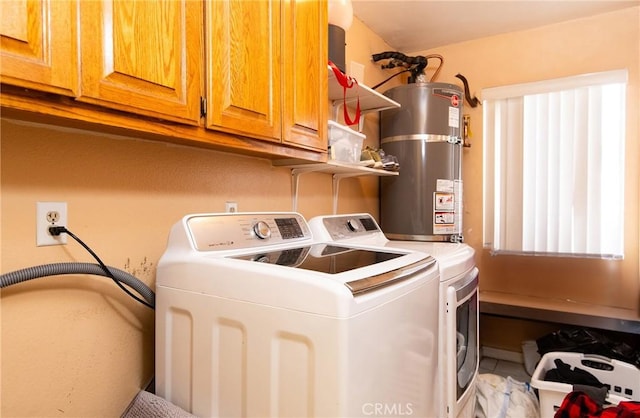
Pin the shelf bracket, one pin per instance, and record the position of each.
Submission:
(295, 180)
(335, 187)
(338, 170)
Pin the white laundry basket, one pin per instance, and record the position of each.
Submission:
(622, 379)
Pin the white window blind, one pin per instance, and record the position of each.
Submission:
(554, 166)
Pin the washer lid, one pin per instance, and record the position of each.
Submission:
(454, 259)
(322, 258)
(334, 259)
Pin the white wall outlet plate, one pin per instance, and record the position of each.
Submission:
(50, 214)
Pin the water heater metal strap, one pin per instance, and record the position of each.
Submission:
(422, 137)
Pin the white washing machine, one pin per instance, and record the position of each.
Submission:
(254, 317)
(458, 315)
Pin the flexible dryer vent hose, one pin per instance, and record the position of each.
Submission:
(56, 269)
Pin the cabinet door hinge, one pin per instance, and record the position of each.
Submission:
(203, 107)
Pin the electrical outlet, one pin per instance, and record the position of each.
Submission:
(231, 207)
(50, 214)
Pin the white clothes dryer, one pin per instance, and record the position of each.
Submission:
(458, 343)
(255, 317)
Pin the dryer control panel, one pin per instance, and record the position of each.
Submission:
(351, 226)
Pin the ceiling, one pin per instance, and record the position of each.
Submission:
(417, 25)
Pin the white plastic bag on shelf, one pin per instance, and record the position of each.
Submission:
(499, 397)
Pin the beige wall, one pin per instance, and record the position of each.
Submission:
(76, 345)
(605, 42)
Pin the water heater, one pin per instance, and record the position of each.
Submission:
(424, 202)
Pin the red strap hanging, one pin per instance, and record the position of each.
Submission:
(347, 82)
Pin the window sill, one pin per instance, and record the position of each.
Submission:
(559, 311)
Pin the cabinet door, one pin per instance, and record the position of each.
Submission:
(38, 48)
(305, 84)
(143, 57)
(243, 67)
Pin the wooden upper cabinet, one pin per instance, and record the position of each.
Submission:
(305, 58)
(243, 67)
(267, 69)
(143, 57)
(38, 47)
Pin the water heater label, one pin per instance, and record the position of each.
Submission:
(443, 185)
(447, 207)
(449, 94)
(454, 117)
(444, 201)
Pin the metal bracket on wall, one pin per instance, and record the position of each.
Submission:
(335, 184)
(338, 170)
(336, 187)
(295, 179)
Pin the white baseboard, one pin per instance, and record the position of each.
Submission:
(500, 354)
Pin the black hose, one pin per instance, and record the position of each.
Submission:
(389, 78)
(473, 101)
(419, 60)
(418, 63)
(56, 269)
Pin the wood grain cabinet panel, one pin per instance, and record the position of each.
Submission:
(305, 58)
(267, 70)
(143, 57)
(38, 47)
(243, 67)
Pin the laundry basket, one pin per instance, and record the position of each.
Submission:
(622, 379)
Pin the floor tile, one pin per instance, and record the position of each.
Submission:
(515, 370)
(488, 363)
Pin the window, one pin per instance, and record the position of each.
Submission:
(554, 166)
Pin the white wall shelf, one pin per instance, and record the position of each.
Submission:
(370, 100)
(337, 169)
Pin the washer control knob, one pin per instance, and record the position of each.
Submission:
(262, 230)
(353, 225)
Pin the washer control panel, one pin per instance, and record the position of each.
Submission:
(233, 231)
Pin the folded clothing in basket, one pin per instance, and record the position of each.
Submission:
(581, 340)
(622, 381)
(579, 404)
(576, 376)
